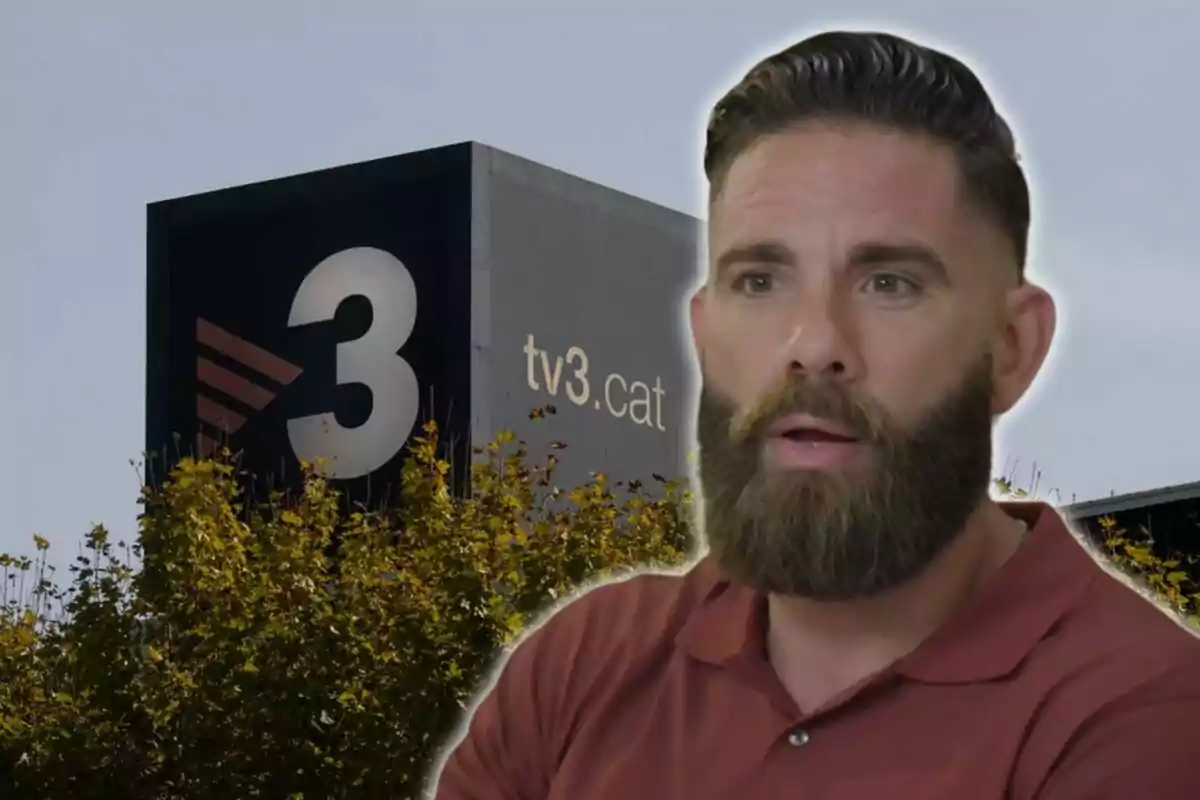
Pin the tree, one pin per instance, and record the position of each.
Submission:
(242, 660)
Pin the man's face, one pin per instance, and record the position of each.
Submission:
(847, 338)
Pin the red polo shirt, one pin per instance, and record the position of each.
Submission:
(1057, 683)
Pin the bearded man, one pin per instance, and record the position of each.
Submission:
(867, 621)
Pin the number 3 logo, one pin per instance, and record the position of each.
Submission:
(370, 360)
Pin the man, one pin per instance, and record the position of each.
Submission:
(867, 623)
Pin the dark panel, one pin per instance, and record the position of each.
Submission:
(290, 299)
(1174, 526)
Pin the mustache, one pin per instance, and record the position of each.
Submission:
(816, 397)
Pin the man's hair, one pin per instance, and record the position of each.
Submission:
(886, 80)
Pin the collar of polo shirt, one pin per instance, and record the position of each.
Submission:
(986, 640)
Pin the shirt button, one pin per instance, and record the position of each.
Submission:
(798, 738)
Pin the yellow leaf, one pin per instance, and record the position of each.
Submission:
(1141, 555)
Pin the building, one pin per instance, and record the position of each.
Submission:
(1171, 515)
(326, 315)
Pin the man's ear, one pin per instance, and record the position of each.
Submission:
(697, 317)
(1028, 333)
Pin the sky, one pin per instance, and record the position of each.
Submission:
(109, 106)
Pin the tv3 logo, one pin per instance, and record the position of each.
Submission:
(371, 360)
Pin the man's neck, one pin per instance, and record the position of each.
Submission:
(820, 649)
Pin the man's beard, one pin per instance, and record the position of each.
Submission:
(842, 534)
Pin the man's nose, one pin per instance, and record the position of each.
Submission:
(820, 343)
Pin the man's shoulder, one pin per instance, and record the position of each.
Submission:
(644, 609)
(1121, 695)
(617, 628)
(1110, 624)
(1128, 643)
(565, 672)
(1127, 617)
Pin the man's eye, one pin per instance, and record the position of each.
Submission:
(753, 283)
(893, 285)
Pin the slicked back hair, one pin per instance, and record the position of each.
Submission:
(882, 79)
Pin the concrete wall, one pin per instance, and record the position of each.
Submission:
(584, 290)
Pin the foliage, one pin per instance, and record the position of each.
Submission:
(241, 659)
(1173, 580)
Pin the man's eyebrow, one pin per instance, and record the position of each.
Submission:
(764, 253)
(866, 254)
(871, 254)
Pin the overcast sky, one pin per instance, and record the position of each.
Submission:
(107, 106)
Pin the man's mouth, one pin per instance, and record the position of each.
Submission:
(800, 428)
(815, 435)
(802, 442)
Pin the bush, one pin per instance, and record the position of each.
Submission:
(240, 659)
(1174, 580)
